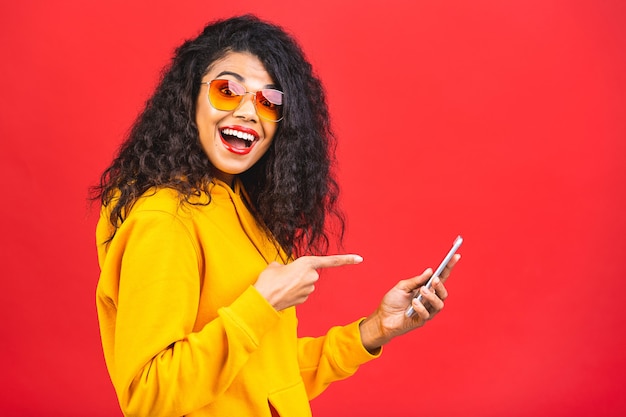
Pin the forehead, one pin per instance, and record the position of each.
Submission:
(241, 66)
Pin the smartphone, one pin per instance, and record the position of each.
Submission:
(438, 271)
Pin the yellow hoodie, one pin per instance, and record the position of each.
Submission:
(185, 333)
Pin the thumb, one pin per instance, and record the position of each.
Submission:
(411, 284)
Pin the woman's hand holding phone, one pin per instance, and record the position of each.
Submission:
(425, 295)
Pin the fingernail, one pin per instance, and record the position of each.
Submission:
(425, 290)
(358, 259)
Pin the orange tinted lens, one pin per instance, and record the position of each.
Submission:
(269, 104)
(225, 95)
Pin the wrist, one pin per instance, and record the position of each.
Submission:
(372, 333)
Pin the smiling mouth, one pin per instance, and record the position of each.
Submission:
(238, 141)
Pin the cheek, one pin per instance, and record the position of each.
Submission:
(270, 130)
(206, 122)
(270, 134)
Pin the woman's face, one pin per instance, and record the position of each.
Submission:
(235, 140)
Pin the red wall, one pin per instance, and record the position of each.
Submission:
(500, 120)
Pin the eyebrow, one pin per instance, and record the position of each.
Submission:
(234, 74)
(241, 79)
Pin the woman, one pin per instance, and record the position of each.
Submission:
(212, 213)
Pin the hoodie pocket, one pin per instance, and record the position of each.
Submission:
(291, 402)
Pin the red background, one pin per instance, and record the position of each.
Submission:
(499, 120)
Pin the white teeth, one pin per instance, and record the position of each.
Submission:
(239, 134)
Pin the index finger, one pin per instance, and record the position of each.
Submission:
(332, 261)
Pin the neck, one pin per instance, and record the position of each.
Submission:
(229, 179)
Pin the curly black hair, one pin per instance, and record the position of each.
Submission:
(291, 188)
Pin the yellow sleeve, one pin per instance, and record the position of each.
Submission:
(333, 357)
(147, 305)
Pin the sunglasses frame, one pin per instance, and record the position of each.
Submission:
(241, 96)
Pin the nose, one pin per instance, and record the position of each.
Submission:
(247, 108)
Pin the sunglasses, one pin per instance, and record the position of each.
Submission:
(227, 95)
